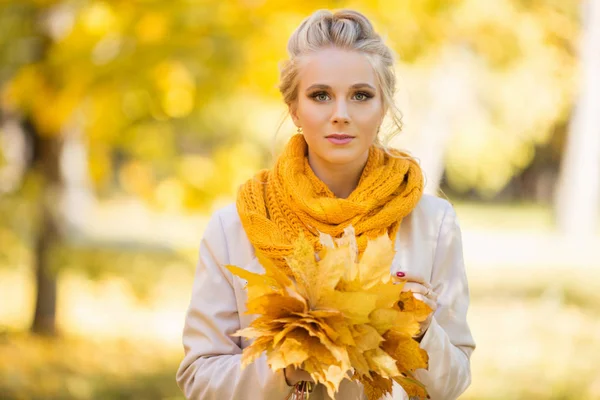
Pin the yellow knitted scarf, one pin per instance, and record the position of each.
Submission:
(278, 204)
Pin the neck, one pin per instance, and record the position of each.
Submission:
(341, 179)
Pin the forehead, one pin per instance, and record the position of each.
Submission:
(337, 68)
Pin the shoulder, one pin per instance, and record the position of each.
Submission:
(225, 225)
(225, 230)
(432, 217)
(227, 217)
(432, 208)
(223, 221)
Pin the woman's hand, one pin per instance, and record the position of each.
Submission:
(294, 375)
(422, 291)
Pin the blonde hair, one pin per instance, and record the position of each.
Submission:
(344, 29)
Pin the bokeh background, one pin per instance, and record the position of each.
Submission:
(124, 124)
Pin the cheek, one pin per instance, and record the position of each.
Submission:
(369, 116)
(311, 113)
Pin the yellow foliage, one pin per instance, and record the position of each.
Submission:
(108, 66)
(99, 18)
(336, 316)
(152, 27)
(375, 386)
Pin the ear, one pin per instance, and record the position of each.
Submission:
(293, 109)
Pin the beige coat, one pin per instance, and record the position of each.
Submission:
(428, 244)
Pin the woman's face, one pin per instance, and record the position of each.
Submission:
(339, 106)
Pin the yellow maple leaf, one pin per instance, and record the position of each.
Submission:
(405, 350)
(335, 313)
(289, 352)
(382, 363)
(412, 386)
(374, 266)
(375, 386)
(275, 305)
(383, 319)
(366, 337)
(409, 304)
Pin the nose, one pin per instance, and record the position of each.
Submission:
(340, 113)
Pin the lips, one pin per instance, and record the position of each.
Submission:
(340, 139)
(339, 136)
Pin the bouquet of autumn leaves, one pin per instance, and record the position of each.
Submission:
(336, 317)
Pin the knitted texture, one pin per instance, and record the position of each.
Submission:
(279, 204)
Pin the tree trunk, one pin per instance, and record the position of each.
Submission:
(578, 191)
(47, 157)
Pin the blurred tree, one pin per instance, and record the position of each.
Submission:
(511, 85)
(578, 193)
(135, 79)
(160, 94)
(486, 82)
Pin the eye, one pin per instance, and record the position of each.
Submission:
(362, 96)
(320, 96)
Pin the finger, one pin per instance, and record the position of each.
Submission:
(429, 293)
(414, 287)
(421, 289)
(410, 277)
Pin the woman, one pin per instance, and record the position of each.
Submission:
(338, 86)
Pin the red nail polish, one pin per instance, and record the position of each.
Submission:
(400, 274)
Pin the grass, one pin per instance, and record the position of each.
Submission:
(571, 287)
(533, 349)
(84, 368)
(521, 217)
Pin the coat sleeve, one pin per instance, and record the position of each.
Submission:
(211, 367)
(448, 341)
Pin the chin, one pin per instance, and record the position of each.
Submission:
(339, 156)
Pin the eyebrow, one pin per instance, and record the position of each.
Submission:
(355, 86)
